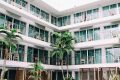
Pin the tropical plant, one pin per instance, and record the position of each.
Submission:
(63, 46)
(9, 40)
(114, 77)
(35, 73)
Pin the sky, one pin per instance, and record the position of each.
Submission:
(61, 5)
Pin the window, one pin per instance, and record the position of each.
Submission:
(53, 20)
(113, 9)
(21, 52)
(105, 11)
(87, 35)
(19, 26)
(95, 14)
(60, 21)
(38, 33)
(83, 36)
(90, 56)
(77, 37)
(32, 9)
(111, 31)
(77, 18)
(89, 15)
(77, 57)
(2, 20)
(30, 54)
(31, 31)
(113, 55)
(119, 7)
(44, 15)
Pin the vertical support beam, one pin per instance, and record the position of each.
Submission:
(94, 74)
(116, 70)
(73, 75)
(49, 57)
(88, 73)
(72, 19)
(98, 73)
(100, 12)
(50, 18)
(25, 54)
(27, 29)
(103, 55)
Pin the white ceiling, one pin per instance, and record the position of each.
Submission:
(62, 5)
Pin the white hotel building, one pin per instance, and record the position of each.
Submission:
(95, 25)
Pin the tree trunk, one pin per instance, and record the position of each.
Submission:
(62, 69)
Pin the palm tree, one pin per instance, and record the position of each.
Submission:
(35, 73)
(9, 40)
(62, 46)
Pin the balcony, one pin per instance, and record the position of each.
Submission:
(19, 4)
(108, 37)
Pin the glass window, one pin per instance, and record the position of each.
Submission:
(19, 2)
(32, 9)
(2, 20)
(46, 36)
(22, 27)
(36, 33)
(44, 15)
(98, 56)
(83, 36)
(111, 31)
(60, 22)
(30, 54)
(9, 22)
(96, 33)
(106, 11)
(21, 52)
(42, 34)
(90, 34)
(77, 18)
(91, 56)
(83, 58)
(95, 14)
(89, 15)
(37, 12)
(77, 37)
(119, 7)
(109, 55)
(53, 20)
(113, 9)
(77, 57)
(31, 31)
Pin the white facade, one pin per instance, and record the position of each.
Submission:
(108, 39)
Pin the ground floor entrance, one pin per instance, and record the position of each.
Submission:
(96, 73)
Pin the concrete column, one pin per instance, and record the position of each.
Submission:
(25, 54)
(88, 73)
(28, 7)
(27, 29)
(49, 57)
(102, 32)
(73, 74)
(103, 55)
(50, 18)
(72, 19)
(100, 12)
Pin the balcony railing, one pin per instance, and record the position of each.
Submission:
(9, 26)
(20, 4)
